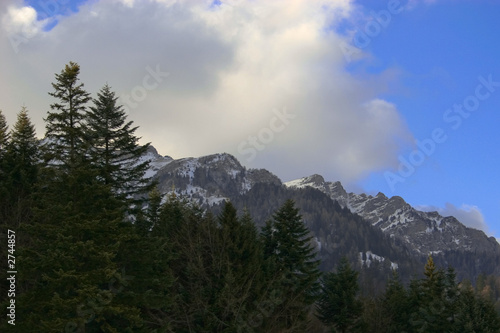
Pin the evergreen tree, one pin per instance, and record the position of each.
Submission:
(287, 243)
(23, 146)
(451, 296)
(22, 160)
(115, 149)
(475, 314)
(66, 144)
(189, 238)
(434, 300)
(71, 267)
(147, 256)
(238, 262)
(4, 209)
(217, 263)
(4, 192)
(374, 318)
(4, 135)
(396, 305)
(338, 305)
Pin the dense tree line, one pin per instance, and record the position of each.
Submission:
(98, 249)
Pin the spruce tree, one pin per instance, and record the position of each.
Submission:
(4, 139)
(4, 135)
(475, 314)
(66, 144)
(338, 305)
(287, 242)
(115, 149)
(72, 264)
(238, 268)
(451, 296)
(4, 191)
(22, 160)
(147, 256)
(434, 300)
(71, 268)
(396, 306)
(5, 211)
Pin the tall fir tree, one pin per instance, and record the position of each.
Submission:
(451, 295)
(147, 256)
(338, 305)
(66, 143)
(116, 152)
(71, 267)
(22, 159)
(431, 313)
(72, 263)
(4, 134)
(237, 263)
(396, 306)
(287, 242)
(4, 192)
(4, 209)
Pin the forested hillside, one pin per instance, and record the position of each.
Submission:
(91, 245)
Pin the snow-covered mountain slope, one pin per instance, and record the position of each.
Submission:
(156, 161)
(208, 179)
(424, 232)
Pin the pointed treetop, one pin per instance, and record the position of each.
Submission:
(430, 268)
(67, 79)
(24, 131)
(4, 134)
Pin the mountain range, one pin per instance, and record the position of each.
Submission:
(377, 233)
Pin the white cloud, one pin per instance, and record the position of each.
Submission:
(230, 66)
(471, 216)
(21, 21)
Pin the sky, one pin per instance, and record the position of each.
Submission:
(400, 97)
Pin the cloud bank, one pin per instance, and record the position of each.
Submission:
(232, 68)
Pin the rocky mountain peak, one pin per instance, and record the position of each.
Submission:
(424, 232)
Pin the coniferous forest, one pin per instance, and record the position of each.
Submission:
(96, 248)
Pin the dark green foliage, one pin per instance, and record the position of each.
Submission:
(395, 305)
(4, 171)
(475, 314)
(23, 149)
(115, 150)
(218, 264)
(71, 265)
(147, 256)
(340, 232)
(4, 134)
(18, 177)
(435, 303)
(488, 286)
(66, 143)
(21, 170)
(287, 244)
(434, 300)
(338, 305)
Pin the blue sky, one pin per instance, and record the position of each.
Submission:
(53, 9)
(441, 50)
(273, 80)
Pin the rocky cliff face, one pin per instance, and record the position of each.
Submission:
(210, 179)
(423, 232)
